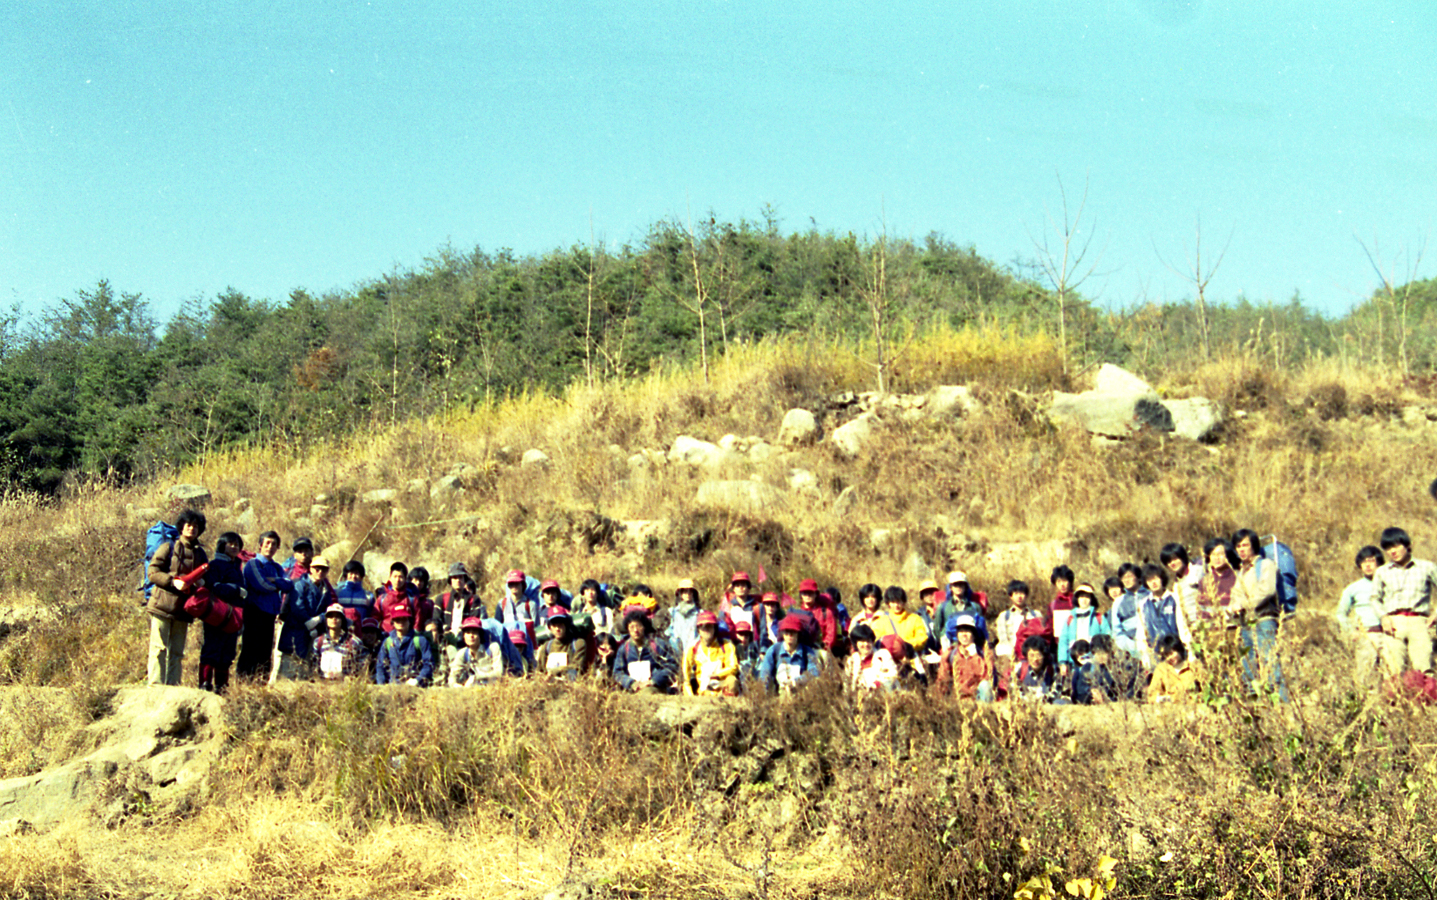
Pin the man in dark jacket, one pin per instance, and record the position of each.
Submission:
(459, 602)
(169, 623)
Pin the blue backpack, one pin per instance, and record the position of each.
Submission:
(1280, 553)
(159, 533)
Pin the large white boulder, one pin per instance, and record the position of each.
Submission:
(799, 427)
(1113, 415)
(852, 437)
(1195, 418)
(693, 452)
(1113, 379)
(193, 494)
(951, 400)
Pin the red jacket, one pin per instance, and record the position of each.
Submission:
(386, 598)
(827, 615)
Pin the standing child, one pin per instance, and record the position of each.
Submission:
(1084, 624)
(1127, 606)
(1160, 614)
(1061, 608)
(1358, 619)
(225, 578)
(1008, 623)
(357, 602)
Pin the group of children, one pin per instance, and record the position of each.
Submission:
(1131, 638)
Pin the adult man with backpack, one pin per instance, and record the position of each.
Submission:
(169, 623)
(1255, 604)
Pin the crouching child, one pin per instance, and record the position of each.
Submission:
(405, 657)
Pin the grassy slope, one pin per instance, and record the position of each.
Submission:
(1252, 801)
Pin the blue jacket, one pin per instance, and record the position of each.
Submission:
(664, 666)
(808, 660)
(1124, 616)
(1160, 616)
(513, 657)
(267, 586)
(950, 625)
(309, 602)
(401, 659)
(357, 602)
(1098, 625)
(683, 630)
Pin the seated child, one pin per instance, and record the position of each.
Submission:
(1175, 679)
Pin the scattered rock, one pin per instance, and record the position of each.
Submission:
(534, 459)
(802, 481)
(693, 452)
(1195, 419)
(747, 497)
(799, 427)
(882, 539)
(505, 454)
(338, 554)
(446, 488)
(417, 486)
(952, 400)
(846, 503)
(1029, 556)
(15, 827)
(854, 436)
(241, 504)
(193, 494)
(463, 470)
(247, 522)
(1419, 415)
(376, 566)
(760, 452)
(149, 514)
(319, 511)
(379, 495)
(729, 442)
(916, 568)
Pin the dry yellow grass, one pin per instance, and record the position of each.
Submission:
(501, 794)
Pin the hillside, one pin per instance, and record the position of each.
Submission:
(537, 788)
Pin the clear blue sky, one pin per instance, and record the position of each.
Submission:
(179, 148)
